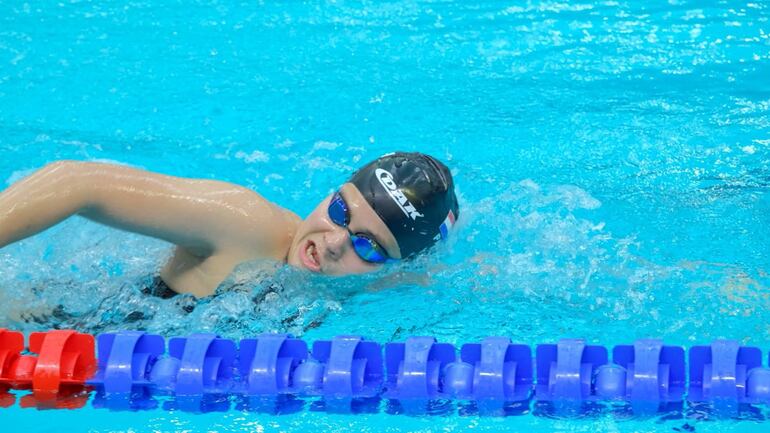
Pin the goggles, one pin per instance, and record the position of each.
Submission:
(368, 249)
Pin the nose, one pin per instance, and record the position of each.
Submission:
(336, 242)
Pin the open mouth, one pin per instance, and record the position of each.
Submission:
(308, 254)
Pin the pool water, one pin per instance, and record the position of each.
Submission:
(612, 160)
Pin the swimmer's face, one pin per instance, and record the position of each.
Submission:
(322, 246)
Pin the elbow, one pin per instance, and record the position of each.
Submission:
(63, 173)
(67, 179)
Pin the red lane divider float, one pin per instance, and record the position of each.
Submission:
(64, 358)
(11, 345)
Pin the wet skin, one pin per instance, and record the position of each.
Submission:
(214, 225)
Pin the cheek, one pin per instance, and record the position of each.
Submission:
(314, 223)
(318, 220)
(351, 264)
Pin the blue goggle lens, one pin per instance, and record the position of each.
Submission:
(367, 248)
(338, 210)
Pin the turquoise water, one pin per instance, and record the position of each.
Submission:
(612, 162)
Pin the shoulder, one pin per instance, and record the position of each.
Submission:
(265, 229)
(280, 228)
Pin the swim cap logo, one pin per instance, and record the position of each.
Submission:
(386, 179)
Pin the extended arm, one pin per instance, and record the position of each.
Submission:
(203, 216)
(39, 201)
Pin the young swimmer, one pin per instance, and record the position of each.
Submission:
(391, 209)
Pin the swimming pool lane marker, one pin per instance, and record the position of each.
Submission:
(352, 367)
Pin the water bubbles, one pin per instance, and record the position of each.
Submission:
(254, 156)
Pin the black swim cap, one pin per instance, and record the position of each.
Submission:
(413, 194)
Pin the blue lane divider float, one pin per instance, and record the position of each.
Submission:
(196, 365)
(267, 363)
(421, 368)
(654, 372)
(126, 360)
(352, 366)
(414, 367)
(565, 370)
(726, 370)
(494, 369)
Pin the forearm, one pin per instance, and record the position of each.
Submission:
(40, 200)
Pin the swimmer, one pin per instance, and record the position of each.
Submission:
(392, 209)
